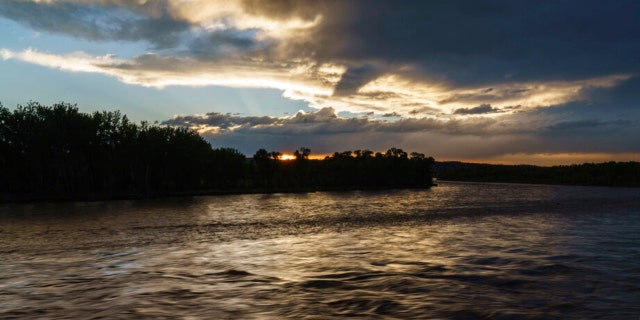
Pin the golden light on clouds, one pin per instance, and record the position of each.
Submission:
(73, 62)
(222, 14)
(366, 68)
(393, 91)
(315, 83)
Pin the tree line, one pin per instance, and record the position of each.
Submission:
(361, 169)
(615, 174)
(58, 152)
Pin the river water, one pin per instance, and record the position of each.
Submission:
(455, 251)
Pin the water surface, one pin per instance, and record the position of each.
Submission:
(459, 250)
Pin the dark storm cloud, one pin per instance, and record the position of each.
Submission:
(624, 96)
(96, 22)
(355, 78)
(481, 109)
(616, 134)
(615, 105)
(592, 125)
(590, 135)
(465, 42)
(480, 42)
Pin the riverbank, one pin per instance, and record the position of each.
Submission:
(607, 174)
(14, 198)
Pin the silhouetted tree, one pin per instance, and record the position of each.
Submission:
(228, 166)
(57, 151)
(266, 165)
(621, 174)
(302, 153)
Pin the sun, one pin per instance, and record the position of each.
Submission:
(287, 157)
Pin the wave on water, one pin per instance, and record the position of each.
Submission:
(458, 251)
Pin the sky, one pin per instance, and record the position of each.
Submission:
(519, 82)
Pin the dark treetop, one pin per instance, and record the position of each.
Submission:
(616, 174)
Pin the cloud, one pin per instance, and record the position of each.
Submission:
(535, 133)
(359, 56)
(225, 43)
(96, 23)
(73, 62)
(488, 77)
(583, 127)
(624, 96)
(354, 79)
(483, 108)
(486, 108)
(472, 43)
(220, 121)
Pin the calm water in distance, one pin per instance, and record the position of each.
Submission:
(456, 251)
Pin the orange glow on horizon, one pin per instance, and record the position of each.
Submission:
(287, 157)
(317, 156)
(552, 159)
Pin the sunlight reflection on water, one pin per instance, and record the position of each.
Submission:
(456, 251)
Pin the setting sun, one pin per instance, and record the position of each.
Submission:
(287, 157)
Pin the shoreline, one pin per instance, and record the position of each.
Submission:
(26, 198)
(17, 198)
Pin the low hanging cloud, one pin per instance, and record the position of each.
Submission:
(475, 137)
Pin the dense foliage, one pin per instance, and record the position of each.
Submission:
(59, 152)
(618, 174)
(361, 169)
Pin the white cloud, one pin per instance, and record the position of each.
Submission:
(485, 88)
(261, 44)
(315, 83)
(72, 62)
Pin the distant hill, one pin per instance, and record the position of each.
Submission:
(616, 174)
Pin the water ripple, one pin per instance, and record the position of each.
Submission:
(459, 251)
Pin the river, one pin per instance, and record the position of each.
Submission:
(455, 251)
